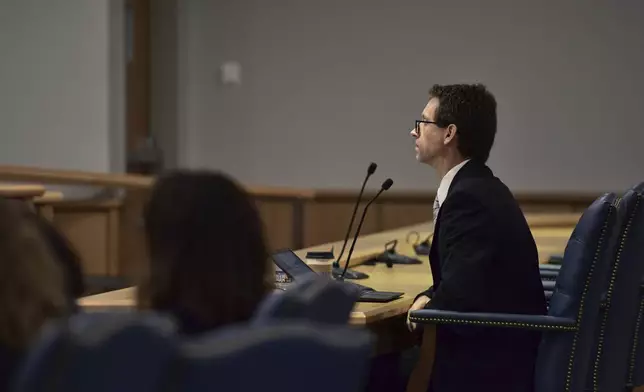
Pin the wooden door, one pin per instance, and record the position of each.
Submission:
(137, 14)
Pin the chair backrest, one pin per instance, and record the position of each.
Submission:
(319, 300)
(281, 357)
(100, 352)
(636, 361)
(621, 300)
(563, 359)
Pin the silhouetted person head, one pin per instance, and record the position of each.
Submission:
(208, 259)
(32, 287)
(64, 252)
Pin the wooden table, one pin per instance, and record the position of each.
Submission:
(22, 192)
(44, 203)
(36, 196)
(386, 319)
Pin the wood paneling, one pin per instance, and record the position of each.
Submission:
(91, 231)
(278, 223)
(328, 221)
(113, 241)
(395, 215)
(111, 237)
(88, 234)
(529, 207)
(133, 257)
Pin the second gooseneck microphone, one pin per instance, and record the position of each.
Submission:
(336, 264)
(385, 186)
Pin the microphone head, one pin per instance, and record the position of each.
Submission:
(372, 168)
(387, 184)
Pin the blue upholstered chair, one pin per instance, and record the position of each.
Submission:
(569, 328)
(621, 301)
(547, 275)
(100, 352)
(549, 285)
(280, 357)
(549, 267)
(635, 376)
(618, 362)
(319, 300)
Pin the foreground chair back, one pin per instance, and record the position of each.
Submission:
(621, 301)
(319, 300)
(287, 357)
(100, 352)
(564, 356)
(635, 376)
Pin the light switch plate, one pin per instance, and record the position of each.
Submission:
(231, 72)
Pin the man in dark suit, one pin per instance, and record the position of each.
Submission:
(483, 256)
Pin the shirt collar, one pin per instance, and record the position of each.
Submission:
(446, 181)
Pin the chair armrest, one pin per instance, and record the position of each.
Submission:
(555, 259)
(503, 320)
(548, 275)
(548, 285)
(549, 267)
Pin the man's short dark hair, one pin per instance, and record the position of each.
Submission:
(472, 108)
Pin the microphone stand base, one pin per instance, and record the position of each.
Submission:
(350, 274)
(422, 249)
(390, 259)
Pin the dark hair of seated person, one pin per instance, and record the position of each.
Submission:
(208, 258)
(65, 254)
(32, 288)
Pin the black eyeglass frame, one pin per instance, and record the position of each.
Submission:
(418, 122)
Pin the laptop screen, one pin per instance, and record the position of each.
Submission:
(294, 267)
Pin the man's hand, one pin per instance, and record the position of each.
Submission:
(420, 303)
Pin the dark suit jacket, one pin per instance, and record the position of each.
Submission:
(483, 259)
(10, 359)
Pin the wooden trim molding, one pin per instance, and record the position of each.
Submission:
(21, 191)
(135, 181)
(119, 180)
(416, 196)
(73, 177)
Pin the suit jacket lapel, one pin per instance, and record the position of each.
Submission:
(472, 168)
(434, 257)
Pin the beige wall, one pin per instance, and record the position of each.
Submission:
(329, 86)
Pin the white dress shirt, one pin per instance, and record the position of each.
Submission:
(443, 188)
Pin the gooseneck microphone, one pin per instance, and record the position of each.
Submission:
(385, 186)
(336, 264)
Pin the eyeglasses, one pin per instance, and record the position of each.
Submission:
(418, 122)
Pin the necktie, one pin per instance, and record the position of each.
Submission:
(437, 206)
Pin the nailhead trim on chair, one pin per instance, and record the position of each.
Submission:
(451, 320)
(638, 323)
(573, 348)
(609, 294)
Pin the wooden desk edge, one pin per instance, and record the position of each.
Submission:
(49, 197)
(388, 310)
(104, 301)
(20, 191)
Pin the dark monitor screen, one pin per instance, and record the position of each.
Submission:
(294, 267)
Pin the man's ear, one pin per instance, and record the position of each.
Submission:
(450, 134)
